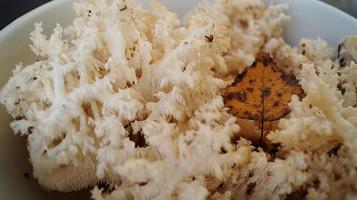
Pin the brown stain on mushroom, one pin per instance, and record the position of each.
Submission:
(261, 93)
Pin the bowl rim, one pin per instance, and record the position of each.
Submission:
(27, 16)
(335, 9)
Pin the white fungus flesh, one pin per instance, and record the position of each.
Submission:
(132, 97)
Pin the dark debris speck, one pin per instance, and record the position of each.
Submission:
(30, 129)
(123, 8)
(18, 118)
(27, 175)
(334, 150)
(138, 139)
(341, 88)
(266, 92)
(209, 38)
(223, 150)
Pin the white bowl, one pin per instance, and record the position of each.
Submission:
(310, 18)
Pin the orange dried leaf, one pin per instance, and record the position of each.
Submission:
(262, 92)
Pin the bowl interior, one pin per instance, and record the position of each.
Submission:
(316, 20)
